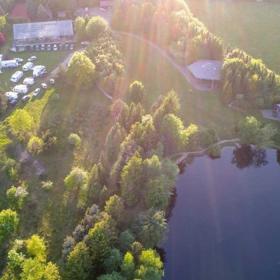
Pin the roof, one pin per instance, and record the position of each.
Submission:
(20, 11)
(47, 29)
(206, 69)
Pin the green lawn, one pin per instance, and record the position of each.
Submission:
(251, 26)
(159, 77)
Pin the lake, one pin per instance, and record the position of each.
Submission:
(225, 224)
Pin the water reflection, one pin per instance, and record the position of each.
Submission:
(246, 155)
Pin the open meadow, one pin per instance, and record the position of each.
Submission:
(251, 26)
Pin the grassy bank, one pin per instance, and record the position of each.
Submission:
(251, 26)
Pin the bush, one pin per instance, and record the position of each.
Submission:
(47, 185)
(95, 27)
(76, 178)
(35, 145)
(74, 140)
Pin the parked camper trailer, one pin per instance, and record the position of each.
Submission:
(21, 89)
(9, 64)
(39, 70)
(16, 76)
(29, 81)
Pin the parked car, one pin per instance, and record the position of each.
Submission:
(29, 81)
(32, 58)
(44, 86)
(27, 66)
(36, 92)
(55, 48)
(21, 89)
(85, 43)
(39, 71)
(25, 98)
(12, 97)
(16, 76)
(52, 81)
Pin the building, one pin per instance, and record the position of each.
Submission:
(48, 35)
(207, 72)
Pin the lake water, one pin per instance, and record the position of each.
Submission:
(225, 224)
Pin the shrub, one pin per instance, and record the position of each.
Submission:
(74, 140)
(47, 185)
(35, 145)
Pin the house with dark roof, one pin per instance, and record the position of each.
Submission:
(43, 35)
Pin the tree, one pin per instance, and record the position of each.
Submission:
(128, 266)
(115, 207)
(251, 131)
(78, 265)
(80, 28)
(165, 105)
(35, 145)
(96, 26)
(131, 180)
(36, 247)
(151, 267)
(3, 22)
(8, 224)
(76, 178)
(113, 261)
(74, 140)
(21, 124)
(16, 197)
(81, 71)
(152, 228)
(112, 276)
(136, 92)
(125, 240)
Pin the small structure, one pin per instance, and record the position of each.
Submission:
(207, 72)
(36, 36)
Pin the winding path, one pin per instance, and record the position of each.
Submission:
(182, 70)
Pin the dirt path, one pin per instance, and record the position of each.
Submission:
(182, 70)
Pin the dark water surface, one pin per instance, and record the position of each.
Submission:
(225, 224)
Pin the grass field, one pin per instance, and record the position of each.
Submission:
(159, 77)
(251, 26)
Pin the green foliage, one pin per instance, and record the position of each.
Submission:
(80, 28)
(95, 27)
(113, 261)
(81, 72)
(114, 206)
(36, 247)
(3, 22)
(8, 224)
(151, 267)
(16, 197)
(35, 145)
(78, 265)
(112, 276)
(128, 266)
(136, 92)
(47, 185)
(74, 140)
(151, 228)
(76, 178)
(245, 76)
(126, 238)
(131, 180)
(21, 124)
(252, 131)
